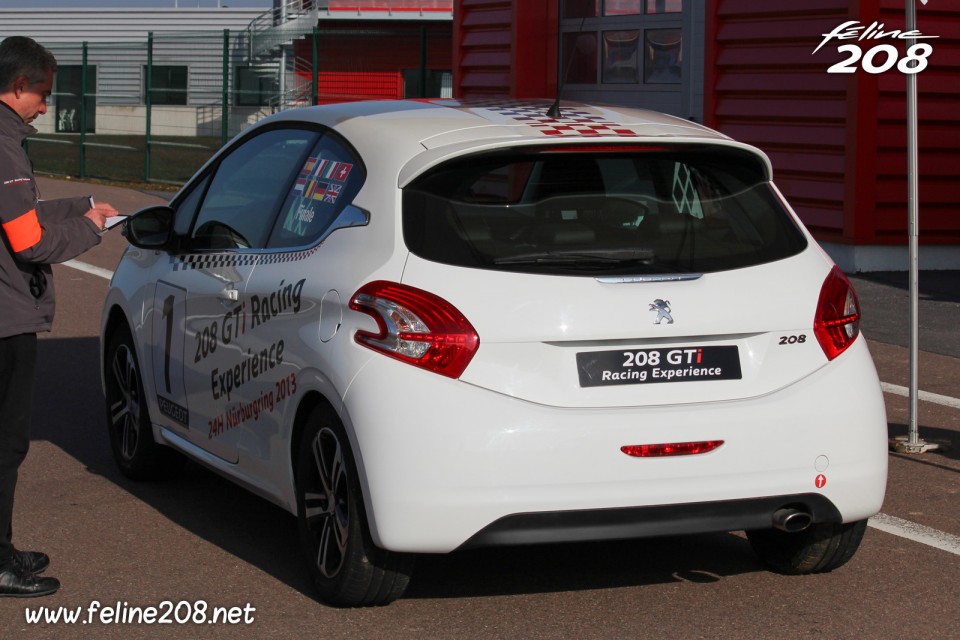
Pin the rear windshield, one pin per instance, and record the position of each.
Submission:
(604, 212)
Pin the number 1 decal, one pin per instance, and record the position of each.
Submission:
(169, 316)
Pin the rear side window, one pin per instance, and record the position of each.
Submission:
(327, 181)
(632, 212)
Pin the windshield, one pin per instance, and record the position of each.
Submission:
(609, 212)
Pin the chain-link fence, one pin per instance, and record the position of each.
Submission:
(155, 111)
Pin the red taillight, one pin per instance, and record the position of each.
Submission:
(416, 327)
(670, 449)
(837, 322)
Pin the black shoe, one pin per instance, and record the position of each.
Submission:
(15, 583)
(31, 562)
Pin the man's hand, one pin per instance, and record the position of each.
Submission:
(99, 214)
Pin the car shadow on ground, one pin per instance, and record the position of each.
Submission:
(193, 497)
(704, 558)
(265, 536)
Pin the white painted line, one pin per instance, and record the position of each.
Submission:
(89, 268)
(926, 396)
(916, 532)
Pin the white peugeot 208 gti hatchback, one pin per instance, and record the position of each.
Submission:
(423, 326)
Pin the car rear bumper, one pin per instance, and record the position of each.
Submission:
(645, 522)
(443, 461)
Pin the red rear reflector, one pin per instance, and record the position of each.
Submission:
(670, 449)
(837, 321)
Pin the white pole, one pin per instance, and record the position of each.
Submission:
(913, 231)
(913, 443)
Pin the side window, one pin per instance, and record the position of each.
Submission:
(187, 208)
(327, 181)
(246, 190)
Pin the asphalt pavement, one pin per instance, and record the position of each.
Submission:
(885, 301)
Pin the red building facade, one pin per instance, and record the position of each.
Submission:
(376, 60)
(837, 140)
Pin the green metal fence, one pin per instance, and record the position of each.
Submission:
(155, 111)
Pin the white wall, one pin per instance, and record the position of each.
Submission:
(74, 26)
(164, 121)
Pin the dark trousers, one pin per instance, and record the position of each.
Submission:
(18, 364)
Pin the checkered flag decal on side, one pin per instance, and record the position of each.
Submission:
(223, 260)
(287, 256)
(212, 260)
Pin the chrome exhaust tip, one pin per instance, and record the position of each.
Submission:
(791, 520)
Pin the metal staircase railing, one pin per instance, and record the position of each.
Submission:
(289, 21)
(299, 94)
(270, 35)
(293, 19)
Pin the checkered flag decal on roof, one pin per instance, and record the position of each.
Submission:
(571, 123)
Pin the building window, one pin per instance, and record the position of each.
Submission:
(255, 87)
(68, 90)
(664, 6)
(620, 56)
(168, 84)
(622, 7)
(640, 42)
(595, 8)
(662, 56)
(439, 84)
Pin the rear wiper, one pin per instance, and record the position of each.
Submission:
(599, 256)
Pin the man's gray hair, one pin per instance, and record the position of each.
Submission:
(23, 56)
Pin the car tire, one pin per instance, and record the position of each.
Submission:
(820, 548)
(347, 568)
(129, 427)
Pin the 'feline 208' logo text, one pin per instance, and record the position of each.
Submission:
(880, 57)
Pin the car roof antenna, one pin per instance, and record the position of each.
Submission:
(583, 44)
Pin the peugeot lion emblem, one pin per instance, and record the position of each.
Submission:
(662, 307)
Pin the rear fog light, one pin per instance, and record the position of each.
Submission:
(670, 449)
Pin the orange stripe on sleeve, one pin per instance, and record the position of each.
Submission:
(23, 232)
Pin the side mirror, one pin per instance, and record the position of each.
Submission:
(150, 228)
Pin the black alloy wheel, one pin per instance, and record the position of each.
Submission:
(136, 453)
(347, 568)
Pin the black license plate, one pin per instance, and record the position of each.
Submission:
(645, 366)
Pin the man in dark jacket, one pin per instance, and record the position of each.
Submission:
(36, 234)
